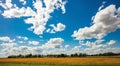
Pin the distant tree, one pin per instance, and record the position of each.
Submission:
(61, 55)
(12, 56)
(28, 56)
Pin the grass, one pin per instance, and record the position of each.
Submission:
(89, 61)
(29, 64)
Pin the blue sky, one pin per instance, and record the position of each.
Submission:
(59, 25)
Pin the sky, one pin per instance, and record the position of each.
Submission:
(59, 26)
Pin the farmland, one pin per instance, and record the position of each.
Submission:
(87, 61)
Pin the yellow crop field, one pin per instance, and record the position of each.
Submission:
(70, 61)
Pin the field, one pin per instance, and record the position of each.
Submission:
(88, 61)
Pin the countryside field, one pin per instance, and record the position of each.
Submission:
(90, 61)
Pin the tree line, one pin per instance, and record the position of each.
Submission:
(62, 55)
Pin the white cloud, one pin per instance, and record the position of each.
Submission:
(99, 41)
(41, 36)
(48, 30)
(88, 43)
(104, 22)
(38, 16)
(21, 42)
(39, 30)
(53, 43)
(23, 2)
(92, 44)
(13, 12)
(8, 4)
(25, 49)
(76, 48)
(54, 46)
(94, 48)
(67, 46)
(114, 50)
(33, 42)
(101, 50)
(58, 28)
(6, 39)
(101, 7)
(17, 12)
(118, 11)
(8, 45)
(12, 48)
(111, 42)
(23, 38)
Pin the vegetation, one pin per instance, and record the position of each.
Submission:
(25, 64)
(62, 55)
(83, 61)
(105, 59)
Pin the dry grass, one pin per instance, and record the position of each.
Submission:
(63, 60)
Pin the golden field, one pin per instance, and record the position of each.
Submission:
(100, 60)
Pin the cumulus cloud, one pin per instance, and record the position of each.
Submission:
(38, 16)
(22, 50)
(91, 44)
(76, 48)
(17, 12)
(118, 11)
(6, 39)
(54, 43)
(101, 7)
(105, 21)
(111, 42)
(88, 43)
(22, 38)
(94, 44)
(21, 42)
(54, 46)
(23, 2)
(33, 42)
(94, 47)
(58, 28)
(8, 45)
(13, 48)
(7, 5)
(67, 46)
